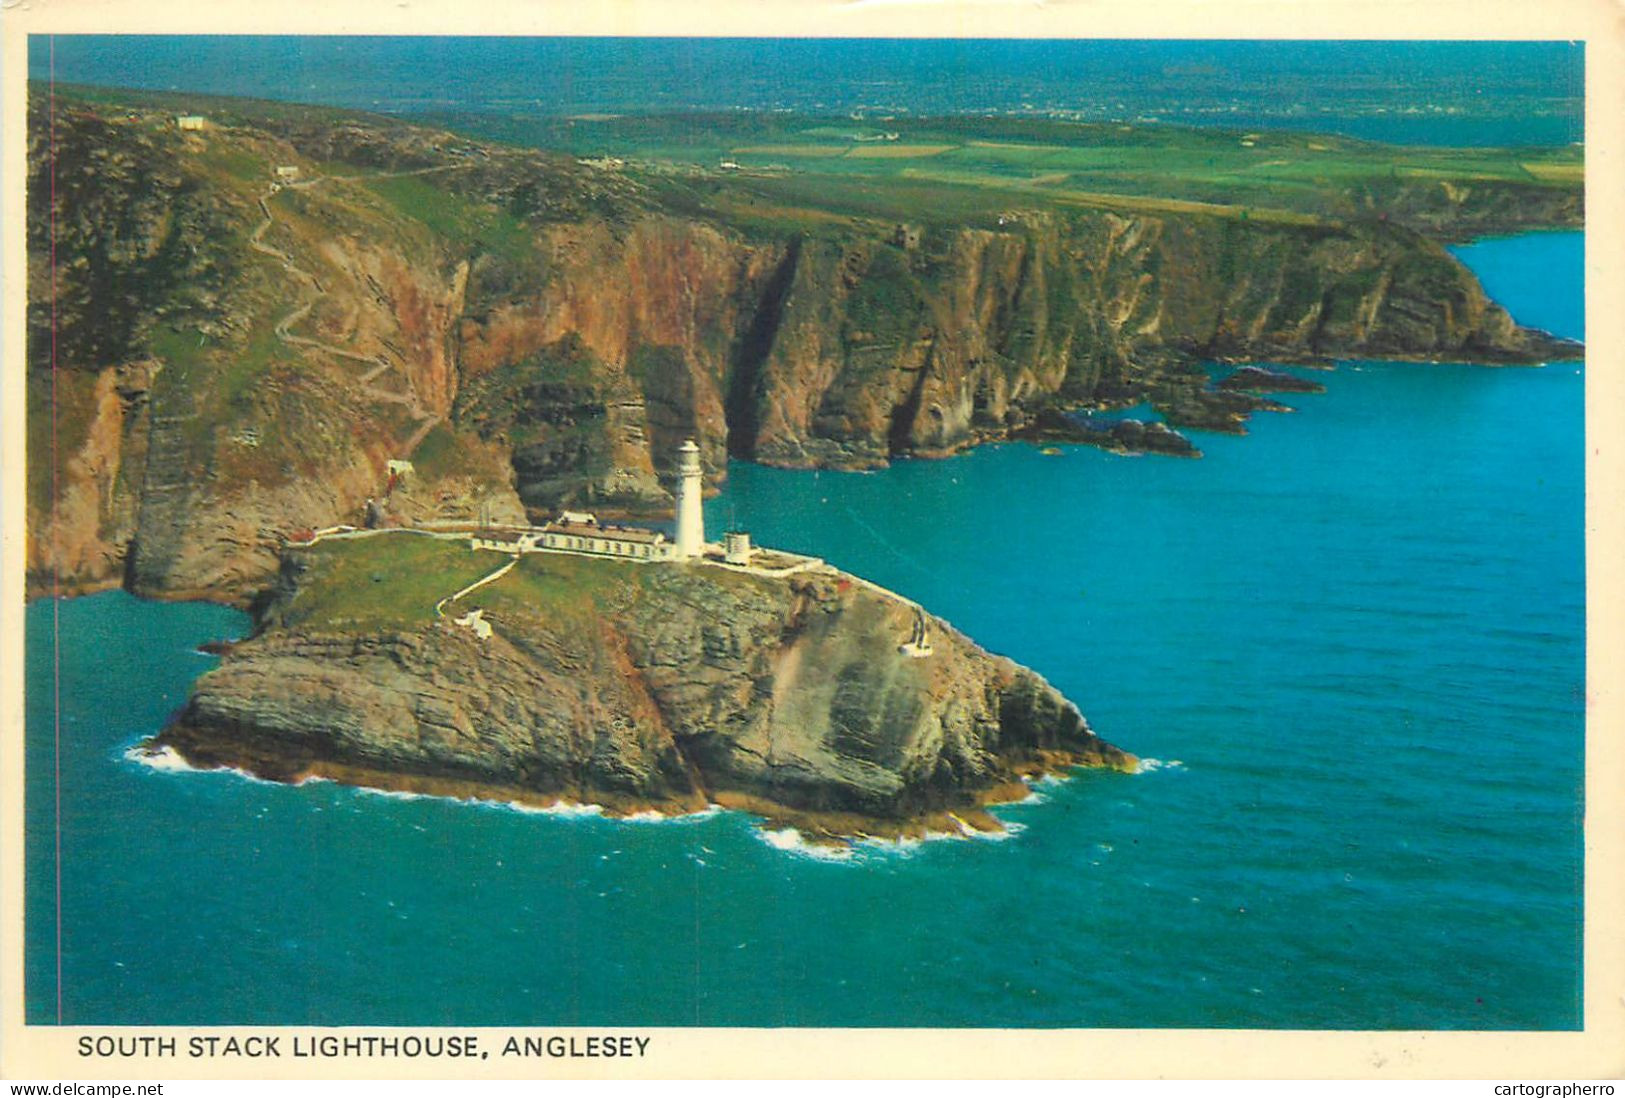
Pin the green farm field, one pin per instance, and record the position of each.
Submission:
(868, 168)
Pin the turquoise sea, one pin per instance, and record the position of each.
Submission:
(1351, 643)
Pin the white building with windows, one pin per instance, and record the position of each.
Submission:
(576, 532)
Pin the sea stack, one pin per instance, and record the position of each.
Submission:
(690, 520)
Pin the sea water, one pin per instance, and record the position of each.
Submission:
(1349, 648)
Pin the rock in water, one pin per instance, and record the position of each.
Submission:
(1255, 379)
(662, 686)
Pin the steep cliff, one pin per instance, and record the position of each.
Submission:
(216, 362)
(221, 355)
(670, 686)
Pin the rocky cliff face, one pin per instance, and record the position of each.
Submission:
(846, 352)
(217, 362)
(669, 686)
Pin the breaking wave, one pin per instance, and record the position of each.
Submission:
(792, 841)
(165, 758)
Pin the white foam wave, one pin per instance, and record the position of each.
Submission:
(159, 758)
(165, 758)
(557, 808)
(791, 841)
(650, 816)
(393, 794)
(560, 808)
(1149, 765)
(904, 845)
(580, 808)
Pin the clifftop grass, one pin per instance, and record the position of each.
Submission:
(476, 225)
(393, 580)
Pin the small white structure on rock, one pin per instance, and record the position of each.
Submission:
(736, 547)
(475, 620)
(918, 645)
(191, 122)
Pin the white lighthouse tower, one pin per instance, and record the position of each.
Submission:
(690, 520)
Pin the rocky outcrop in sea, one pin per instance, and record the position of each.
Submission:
(668, 687)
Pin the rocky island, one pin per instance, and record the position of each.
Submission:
(605, 664)
(666, 686)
